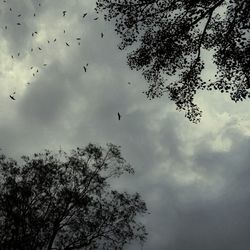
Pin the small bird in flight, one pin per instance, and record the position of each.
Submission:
(102, 35)
(39, 48)
(84, 15)
(119, 116)
(95, 18)
(19, 15)
(18, 23)
(54, 39)
(12, 96)
(67, 44)
(78, 38)
(64, 12)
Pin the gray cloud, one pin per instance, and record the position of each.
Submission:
(194, 178)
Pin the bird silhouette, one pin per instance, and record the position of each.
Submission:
(102, 35)
(39, 48)
(19, 15)
(95, 18)
(12, 97)
(18, 54)
(64, 12)
(78, 38)
(54, 39)
(85, 69)
(45, 64)
(67, 44)
(119, 116)
(85, 14)
(5, 27)
(129, 83)
(18, 23)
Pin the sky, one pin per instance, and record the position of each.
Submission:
(193, 177)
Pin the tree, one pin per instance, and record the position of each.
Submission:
(170, 38)
(64, 201)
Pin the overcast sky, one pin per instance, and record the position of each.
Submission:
(193, 177)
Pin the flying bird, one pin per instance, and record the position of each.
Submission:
(28, 83)
(48, 41)
(18, 23)
(78, 38)
(95, 18)
(84, 15)
(31, 49)
(31, 67)
(6, 27)
(85, 69)
(54, 39)
(34, 14)
(102, 35)
(119, 116)
(18, 54)
(10, 9)
(12, 57)
(19, 15)
(64, 12)
(39, 48)
(45, 64)
(67, 44)
(64, 31)
(129, 83)
(12, 97)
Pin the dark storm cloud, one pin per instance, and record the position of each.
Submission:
(198, 194)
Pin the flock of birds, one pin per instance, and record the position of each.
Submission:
(35, 33)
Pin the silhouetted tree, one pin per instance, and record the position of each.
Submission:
(169, 38)
(63, 201)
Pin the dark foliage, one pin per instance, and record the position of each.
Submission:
(170, 37)
(64, 202)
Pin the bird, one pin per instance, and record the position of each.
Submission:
(64, 31)
(67, 44)
(18, 23)
(5, 27)
(79, 43)
(48, 41)
(12, 57)
(64, 12)
(54, 39)
(12, 97)
(37, 71)
(28, 83)
(39, 48)
(39, 4)
(10, 9)
(31, 49)
(31, 67)
(102, 35)
(34, 14)
(119, 116)
(45, 64)
(85, 69)
(85, 14)
(95, 18)
(19, 15)
(129, 83)
(32, 34)
(78, 38)
(18, 54)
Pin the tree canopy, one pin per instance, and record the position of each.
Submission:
(64, 201)
(171, 39)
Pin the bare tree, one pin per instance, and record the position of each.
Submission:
(64, 201)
